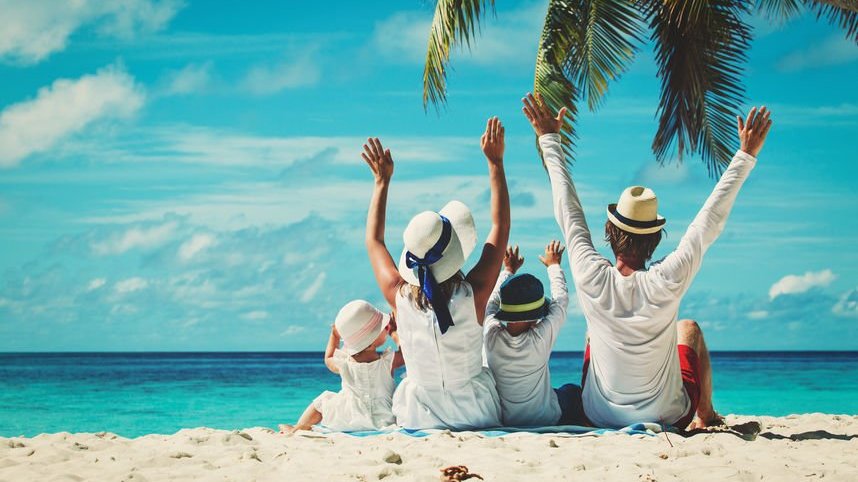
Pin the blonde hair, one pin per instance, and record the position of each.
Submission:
(447, 288)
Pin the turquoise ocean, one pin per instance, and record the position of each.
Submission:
(133, 394)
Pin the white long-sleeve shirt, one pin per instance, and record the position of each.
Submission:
(519, 364)
(634, 373)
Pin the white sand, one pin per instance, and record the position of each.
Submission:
(826, 446)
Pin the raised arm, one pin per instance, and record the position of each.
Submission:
(331, 349)
(484, 274)
(551, 259)
(512, 262)
(567, 207)
(681, 265)
(386, 275)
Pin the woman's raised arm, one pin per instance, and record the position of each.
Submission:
(386, 274)
(484, 275)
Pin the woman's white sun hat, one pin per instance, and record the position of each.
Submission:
(425, 230)
(636, 211)
(359, 324)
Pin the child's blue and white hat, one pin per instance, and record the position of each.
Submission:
(522, 299)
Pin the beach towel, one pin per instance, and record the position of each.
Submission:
(650, 429)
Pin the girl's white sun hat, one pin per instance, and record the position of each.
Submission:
(636, 211)
(359, 324)
(425, 230)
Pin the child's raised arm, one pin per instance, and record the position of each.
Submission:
(512, 261)
(551, 259)
(333, 344)
(398, 359)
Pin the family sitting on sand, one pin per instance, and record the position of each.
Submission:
(641, 363)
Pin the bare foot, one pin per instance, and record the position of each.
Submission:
(286, 429)
(702, 423)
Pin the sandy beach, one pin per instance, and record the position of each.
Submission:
(800, 447)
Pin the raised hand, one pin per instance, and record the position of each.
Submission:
(379, 160)
(553, 253)
(512, 261)
(492, 141)
(753, 131)
(541, 116)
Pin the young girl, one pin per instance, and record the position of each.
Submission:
(439, 309)
(364, 402)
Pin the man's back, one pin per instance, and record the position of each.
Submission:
(634, 372)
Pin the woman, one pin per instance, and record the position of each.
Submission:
(439, 310)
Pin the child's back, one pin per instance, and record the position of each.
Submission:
(364, 402)
(518, 354)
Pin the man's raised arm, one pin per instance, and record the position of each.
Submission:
(567, 206)
(681, 265)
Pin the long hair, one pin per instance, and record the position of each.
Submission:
(447, 287)
(638, 247)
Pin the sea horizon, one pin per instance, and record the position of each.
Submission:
(142, 392)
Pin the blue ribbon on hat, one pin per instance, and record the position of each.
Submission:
(428, 284)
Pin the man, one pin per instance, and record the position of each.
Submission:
(641, 364)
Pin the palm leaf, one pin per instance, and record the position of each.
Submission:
(455, 23)
(780, 10)
(842, 12)
(700, 47)
(611, 30)
(562, 29)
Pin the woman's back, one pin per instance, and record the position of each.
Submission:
(446, 385)
(437, 360)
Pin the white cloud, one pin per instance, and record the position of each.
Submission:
(652, 173)
(292, 330)
(256, 315)
(402, 36)
(289, 74)
(192, 79)
(136, 237)
(847, 304)
(65, 107)
(31, 30)
(510, 39)
(836, 50)
(758, 314)
(130, 285)
(314, 288)
(95, 284)
(194, 144)
(794, 284)
(197, 243)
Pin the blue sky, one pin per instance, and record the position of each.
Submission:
(185, 175)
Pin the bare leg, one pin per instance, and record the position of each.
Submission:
(310, 417)
(690, 334)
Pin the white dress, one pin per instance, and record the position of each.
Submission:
(446, 385)
(364, 402)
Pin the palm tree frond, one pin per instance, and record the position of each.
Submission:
(780, 10)
(700, 47)
(610, 30)
(562, 29)
(841, 12)
(455, 23)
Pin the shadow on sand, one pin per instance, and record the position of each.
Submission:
(814, 435)
(751, 430)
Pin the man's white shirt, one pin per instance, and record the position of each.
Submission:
(634, 373)
(519, 364)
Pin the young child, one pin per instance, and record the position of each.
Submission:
(364, 401)
(521, 328)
